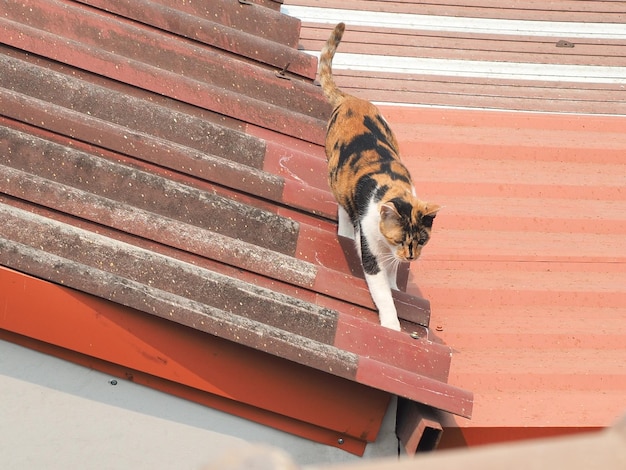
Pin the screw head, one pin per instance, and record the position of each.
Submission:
(340, 441)
(113, 382)
(415, 335)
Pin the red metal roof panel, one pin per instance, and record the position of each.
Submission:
(526, 271)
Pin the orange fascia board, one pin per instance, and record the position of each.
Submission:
(188, 363)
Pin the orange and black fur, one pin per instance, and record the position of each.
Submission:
(373, 188)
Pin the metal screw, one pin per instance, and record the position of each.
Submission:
(415, 335)
(113, 382)
(439, 328)
(283, 73)
(340, 441)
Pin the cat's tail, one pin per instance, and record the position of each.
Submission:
(332, 92)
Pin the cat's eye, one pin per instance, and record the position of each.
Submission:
(427, 220)
(422, 240)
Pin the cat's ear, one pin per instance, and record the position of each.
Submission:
(431, 210)
(389, 213)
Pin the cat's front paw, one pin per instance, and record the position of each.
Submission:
(391, 323)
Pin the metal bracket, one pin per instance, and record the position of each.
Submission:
(283, 73)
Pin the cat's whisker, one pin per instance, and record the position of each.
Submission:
(389, 260)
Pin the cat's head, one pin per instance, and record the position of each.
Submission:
(406, 225)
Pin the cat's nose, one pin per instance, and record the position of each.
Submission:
(414, 254)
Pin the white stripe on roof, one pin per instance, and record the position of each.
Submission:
(561, 29)
(468, 68)
(477, 68)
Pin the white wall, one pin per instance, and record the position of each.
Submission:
(57, 415)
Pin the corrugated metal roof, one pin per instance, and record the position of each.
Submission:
(564, 56)
(526, 269)
(168, 157)
(526, 275)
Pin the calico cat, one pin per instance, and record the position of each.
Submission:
(373, 188)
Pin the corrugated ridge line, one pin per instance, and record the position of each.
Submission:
(176, 69)
(186, 144)
(266, 22)
(259, 34)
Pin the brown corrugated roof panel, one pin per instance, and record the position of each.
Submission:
(168, 159)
